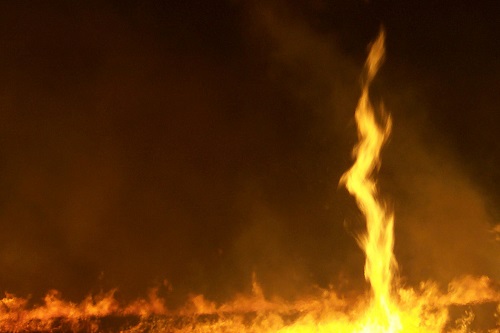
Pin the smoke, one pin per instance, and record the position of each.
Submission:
(442, 218)
(444, 225)
(143, 142)
(443, 221)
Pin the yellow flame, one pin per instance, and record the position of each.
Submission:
(378, 242)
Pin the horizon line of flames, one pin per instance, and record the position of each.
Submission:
(420, 310)
(389, 308)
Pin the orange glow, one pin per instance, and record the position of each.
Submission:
(388, 308)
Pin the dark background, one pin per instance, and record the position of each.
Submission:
(201, 141)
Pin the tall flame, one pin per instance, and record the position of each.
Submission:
(378, 241)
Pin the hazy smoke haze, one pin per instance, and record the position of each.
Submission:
(143, 141)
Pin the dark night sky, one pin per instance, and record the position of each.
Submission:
(199, 141)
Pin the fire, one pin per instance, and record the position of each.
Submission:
(389, 307)
(379, 241)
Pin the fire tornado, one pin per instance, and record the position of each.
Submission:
(378, 242)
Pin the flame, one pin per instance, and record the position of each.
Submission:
(388, 308)
(378, 242)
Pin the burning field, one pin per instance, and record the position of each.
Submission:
(387, 300)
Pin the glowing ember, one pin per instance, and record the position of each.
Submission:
(388, 308)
